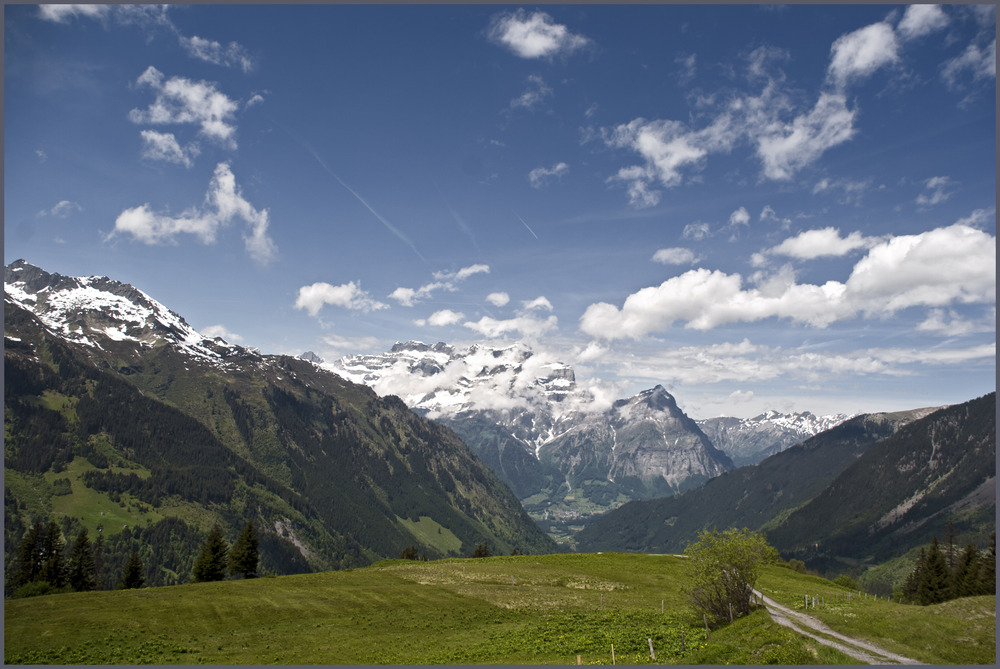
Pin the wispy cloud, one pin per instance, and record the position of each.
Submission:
(62, 209)
(533, 95)
(534, 35)
(63, 13)
(224, 201)
(231, 55)
(524, 223)
(448, 281)
(540, 176)
(213, 331)
(675, 256)
(935, 191)
(860, 53)
(920, 20)
(164, 146)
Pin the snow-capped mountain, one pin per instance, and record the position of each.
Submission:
(563, 447)
(97, 311)
(750, 440)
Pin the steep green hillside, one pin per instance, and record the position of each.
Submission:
(746, 497)
(903, 491)
(332, 475)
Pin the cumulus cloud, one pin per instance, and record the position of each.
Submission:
(224, 201)
(787, 148)
(533, 95)
(449, 281)
(63, 13)
(675, 256)
(498, 299)
(955, 264)
(164, 146)
(180, 101)
(540, 176)
(539, 302)
(441, 318)
(813, 244)
(213, 331)
(347, 296)
(935, 191)
(534, 35)
(526, 325)
(231, 55)
(739, 217)
(920, 20)
(860, 53)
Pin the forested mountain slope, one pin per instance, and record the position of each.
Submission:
(115, 408)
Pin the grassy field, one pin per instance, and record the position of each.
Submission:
(501, 610)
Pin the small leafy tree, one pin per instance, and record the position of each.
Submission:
(244, 555)
(211, 562)
(723, 569)
(132, 576)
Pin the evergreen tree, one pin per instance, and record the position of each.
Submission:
(244, 555)
(482, 550)
(81, 563)
(912, 583)
(409, 553)
(949, 538)
(211, 562)
(935, 582)
(132, 576)
(100, 579)
(54, 562)
(965, 580)
(29, 555)
(988, 569)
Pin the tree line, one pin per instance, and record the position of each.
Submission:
(45, 563)
(939, 575)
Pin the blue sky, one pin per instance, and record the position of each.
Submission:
(757, 207)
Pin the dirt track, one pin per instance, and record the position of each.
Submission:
(806, 625)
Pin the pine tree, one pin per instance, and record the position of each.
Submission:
(988, 569)
(244, 556)
(912, 583)
(29, 555)
(132, 576)
(54, 562)
(81, 563)
(482, 550)
(949, 537)
(100, 579)
(409, 553)
(934, 584)
(965, 580)
(211, 562)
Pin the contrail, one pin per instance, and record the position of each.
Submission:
(526, 225)
(389, 226)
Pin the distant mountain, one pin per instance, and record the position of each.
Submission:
(749, 440)
(902, 491)
(751, 496)
(567, 456)
(136, 413)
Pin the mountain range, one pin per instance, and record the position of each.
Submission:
(115, 408)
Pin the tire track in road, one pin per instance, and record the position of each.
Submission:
(859, 649)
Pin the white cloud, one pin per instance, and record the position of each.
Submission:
(62, 13)
(920, 20)
(498, 299)
(224, 201)
(936, 193)
(232, 55)
(42, 156)
(542, 175)
(697, 231)
(862, 52)
(449, 281)
(348, 296)
(951, 324)
(786, 148)
(739, 217)
(164, 146)
(539, 302)
(533, 94)
(852, 190)
(938, 268)
(978, 218)
(981, 62)
(534, 35)
(675, 256)
(441, 318)
(62, 209)
(180, 100)
(813, 244)
(527, 326)
(213, 331)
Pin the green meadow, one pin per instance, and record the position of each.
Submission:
(500, 610)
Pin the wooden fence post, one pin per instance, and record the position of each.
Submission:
(652, 653)
(730, 612)
(682, 641)
(612, 654)
(708, 633)
(578, 660)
